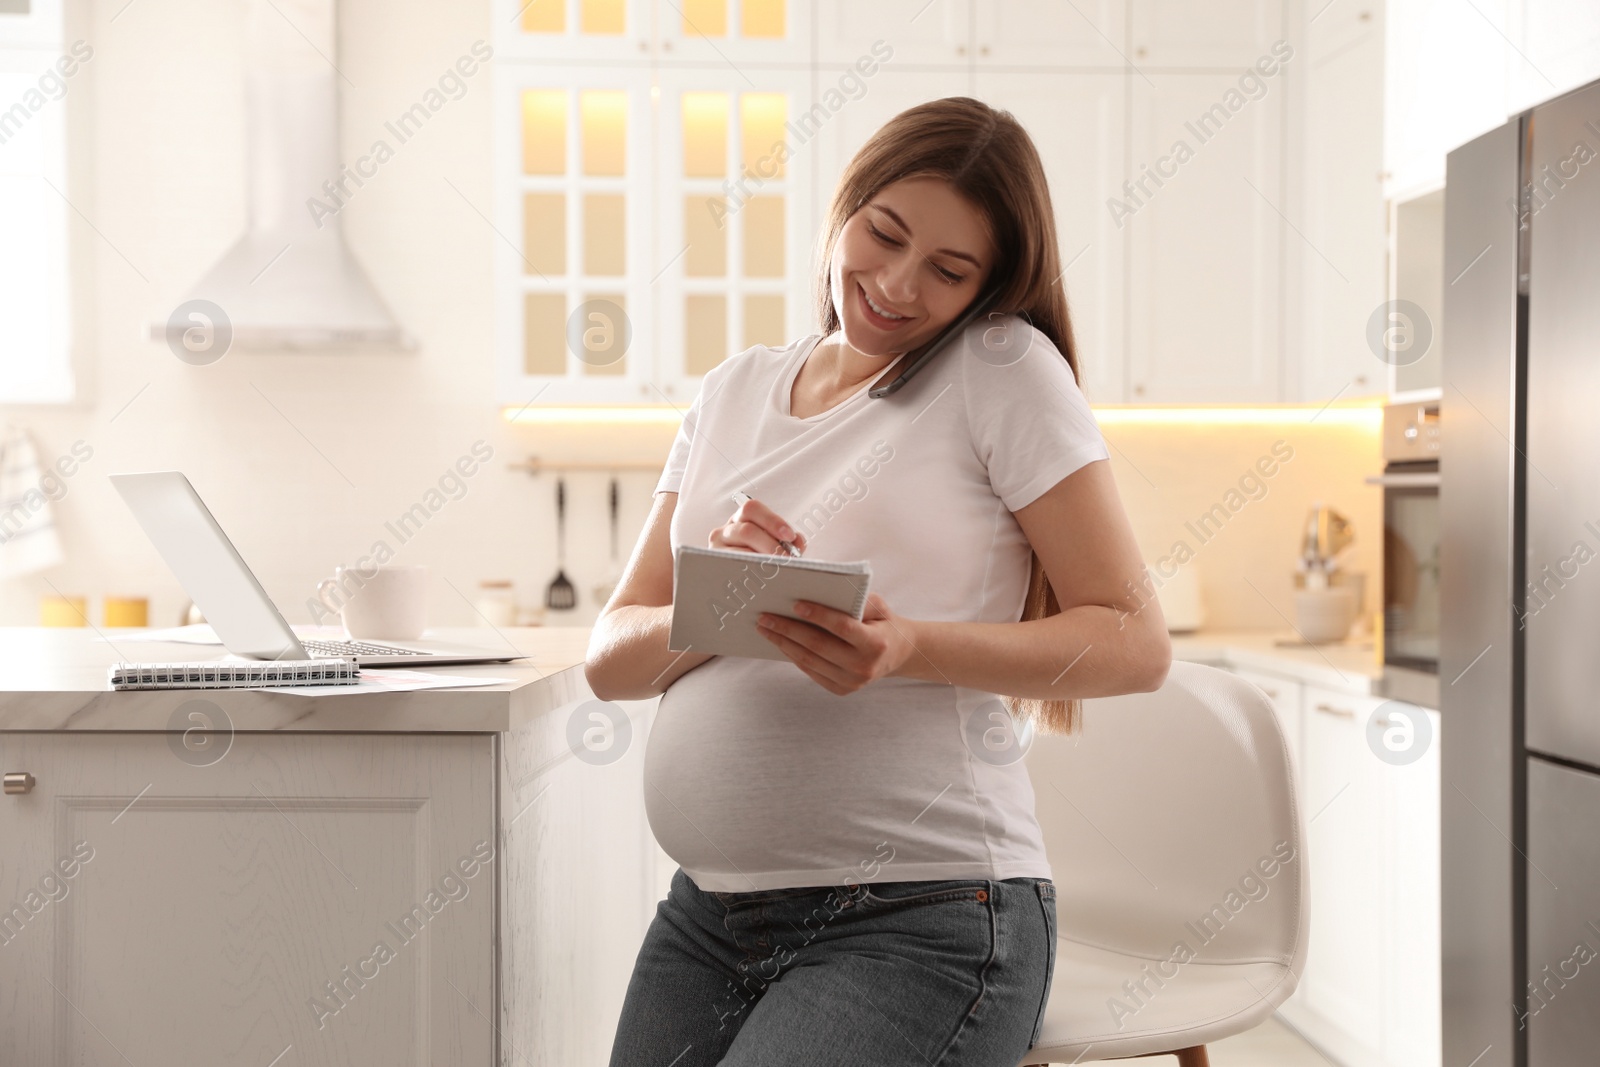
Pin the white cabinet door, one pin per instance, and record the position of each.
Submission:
(1342, 982)
(1203, 33)
(1341, 260)
(1202, 206)
(1411, 934)
(1046, 33)
(582, 877)
(919, 31)
(1444, 84)
(1553, 47)
(246, 894)
(1077, 120)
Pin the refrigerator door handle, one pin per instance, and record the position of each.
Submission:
(1414, 479)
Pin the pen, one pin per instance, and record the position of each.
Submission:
(740, 497)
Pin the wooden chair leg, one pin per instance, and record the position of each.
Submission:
(1187, 1057)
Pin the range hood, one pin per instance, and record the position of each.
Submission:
(290, 281)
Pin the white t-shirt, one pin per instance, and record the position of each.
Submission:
(756, 777)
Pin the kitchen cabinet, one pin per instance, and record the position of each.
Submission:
(1046, 34)
(457, 876)
(1077, 122)
(979, 34)
(583, 875)
(36, 24)
(754, 34)
(568, 31)
(1454, 72)
(573, 307)
(734, 220)
(641, 32)
(1557, 48)
(1205, 293)
(1340, 255)
(935, 33)
(1370, 992)
(297, 891)
(1181, 33)
(1241, 273)
(1341, 988)
(1444, 83)
(1412, 936)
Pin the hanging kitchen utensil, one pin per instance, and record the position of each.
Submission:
(604, 589)
(561, 595)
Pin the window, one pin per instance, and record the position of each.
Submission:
(36, 74)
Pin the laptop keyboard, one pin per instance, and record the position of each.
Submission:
(354, 648)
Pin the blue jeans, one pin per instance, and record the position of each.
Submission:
(925, 974)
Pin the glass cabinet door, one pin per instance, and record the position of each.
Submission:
(736, 219)
(744, 36)
(568, 31)
(576, 200)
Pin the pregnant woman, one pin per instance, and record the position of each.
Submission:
(861, 877)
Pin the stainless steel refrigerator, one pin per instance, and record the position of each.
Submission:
(1520, 592)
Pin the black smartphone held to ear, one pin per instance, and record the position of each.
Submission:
(920, 356)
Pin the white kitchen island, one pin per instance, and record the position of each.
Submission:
(451, 876)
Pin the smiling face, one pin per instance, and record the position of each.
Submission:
(907, 264)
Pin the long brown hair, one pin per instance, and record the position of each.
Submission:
(989, 159)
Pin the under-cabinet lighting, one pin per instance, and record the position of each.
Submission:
(1366, 416)
(556, 414)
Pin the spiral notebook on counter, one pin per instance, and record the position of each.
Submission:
(256, 674)
(718, 593)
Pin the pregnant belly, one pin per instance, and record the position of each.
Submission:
(753, 767)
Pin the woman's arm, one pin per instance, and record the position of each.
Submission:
(1109, 638)
(628, 658)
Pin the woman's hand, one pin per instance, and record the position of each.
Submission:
(756, 528)
(838, 652)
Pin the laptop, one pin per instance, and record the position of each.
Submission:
(227, 593)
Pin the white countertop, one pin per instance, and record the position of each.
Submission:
(55, 679)
(1354, 667)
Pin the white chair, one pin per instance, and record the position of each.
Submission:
(1177, 846)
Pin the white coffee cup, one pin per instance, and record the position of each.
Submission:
(378, 604)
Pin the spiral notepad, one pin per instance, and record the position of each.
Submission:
(718, 593)
(216, 675)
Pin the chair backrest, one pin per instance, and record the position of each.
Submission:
(1170, 820)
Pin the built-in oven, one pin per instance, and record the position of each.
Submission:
(1410, 482)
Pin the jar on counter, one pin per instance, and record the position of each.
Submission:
(496, 603)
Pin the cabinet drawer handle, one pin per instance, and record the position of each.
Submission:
(19, 782)
(1272, 694)
(1329, 709)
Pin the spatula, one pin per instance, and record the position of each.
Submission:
(561, 595)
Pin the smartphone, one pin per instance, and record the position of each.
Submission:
(920, 356)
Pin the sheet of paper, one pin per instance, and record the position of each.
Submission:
(198, 634)
(389, 680)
